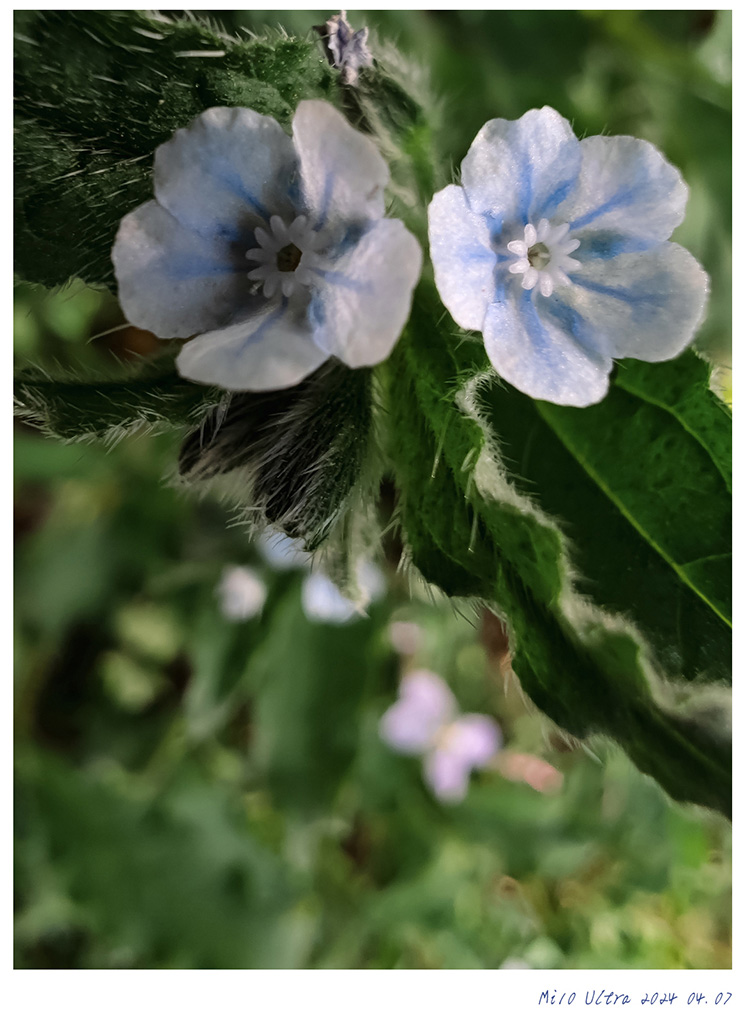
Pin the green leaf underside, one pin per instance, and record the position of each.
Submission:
(585, 671)
(97, 92)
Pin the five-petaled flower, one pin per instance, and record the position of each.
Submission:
(271, 253)
(425, 721)
(557, 250)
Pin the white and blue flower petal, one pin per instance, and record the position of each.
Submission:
(271, 250)
(641, 305)
(173, 281)
(322, 601)
(582, 228)
(520, 171)
(464, 261)
(628, 197)
(272, 349)
(551, 357)
(343, 174)
(362, 299)
(226, 173)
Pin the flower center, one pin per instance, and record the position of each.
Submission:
(544, 256)
(288, 258)
(284, 256)
(539, 256)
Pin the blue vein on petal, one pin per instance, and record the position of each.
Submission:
(532, 207)
(605, 245)
(555, 198)
(525, 186)
(534, 326)
(232, 181)
(335, 277)
(184, 267)
(632, 296)
(495, 226)
(540, 336)
(574, 324)
(325, 202)
(261, 330)
(623, 197)
(501, 278)
(478, 254)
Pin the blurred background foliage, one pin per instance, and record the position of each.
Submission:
(202, 793)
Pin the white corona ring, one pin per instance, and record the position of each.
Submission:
(544, 256)
(285, 256)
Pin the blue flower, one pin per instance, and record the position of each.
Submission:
(271, 253)
(556, 249)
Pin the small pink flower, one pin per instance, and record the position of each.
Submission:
(425, 721)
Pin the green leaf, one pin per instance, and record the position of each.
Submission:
(116, 84)
(310, 680)
(177, 879)
(474, 534)
(640, 486)
(656, 468)
(108, 409)
(217, 648)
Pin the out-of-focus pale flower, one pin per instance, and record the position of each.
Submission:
(242, 593)
(322, 601)
(371, 582)
(348, 48)
(272, 252)
(405, 637)
(425, 721)
(556, 250)
(283, 552)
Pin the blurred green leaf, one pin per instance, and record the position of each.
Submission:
(185, 863)
(219, 655)
(310, 681)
